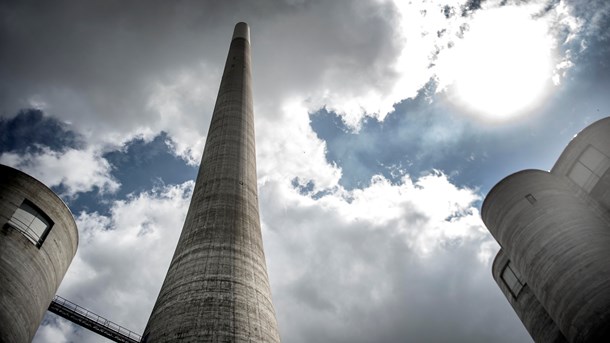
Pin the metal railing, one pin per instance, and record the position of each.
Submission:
(92, 321)
(25, 229)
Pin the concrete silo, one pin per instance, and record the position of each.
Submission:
(554, 230)
(38, 239)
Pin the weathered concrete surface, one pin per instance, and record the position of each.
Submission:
(217, 288)
(560, 245)
(598, 136)
(537, 321)
(555, 229)
(29, 276)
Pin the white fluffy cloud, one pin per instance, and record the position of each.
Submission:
(76, 170)
(292, 150)
(57, 330)
(122, 259)
(349, 266)
(382, 263)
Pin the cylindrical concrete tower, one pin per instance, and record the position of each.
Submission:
(559, 243)
(585, 163)
(537, 321)
(217, 288)
(38, 239)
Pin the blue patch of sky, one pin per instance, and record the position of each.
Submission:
(138, 166)
(303, 189)
(308, 188)
(420, 136)
(415, 139)
(142, 165)
(30, 129)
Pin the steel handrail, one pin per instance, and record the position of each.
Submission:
(96, 318)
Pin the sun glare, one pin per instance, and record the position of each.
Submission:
(503, 65)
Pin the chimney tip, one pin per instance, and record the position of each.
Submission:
(242, 31)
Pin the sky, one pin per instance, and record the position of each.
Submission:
(380, 127)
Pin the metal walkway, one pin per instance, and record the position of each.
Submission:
(92, 321)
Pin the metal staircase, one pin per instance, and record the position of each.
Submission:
(92, 321)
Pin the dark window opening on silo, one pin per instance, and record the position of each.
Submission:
(512, 279)
(589, 168)
(31, 222)
(530, 198)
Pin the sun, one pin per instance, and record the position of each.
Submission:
(503, 64)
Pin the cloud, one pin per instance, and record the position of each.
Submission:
(381, 263)
(483, 65)
(293, 150)
(100, 65)
(75, 170)
(340, 55)
(377, 264)
(117, 71)
(56, 329)
(122, 259)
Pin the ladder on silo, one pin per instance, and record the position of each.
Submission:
(92, 321)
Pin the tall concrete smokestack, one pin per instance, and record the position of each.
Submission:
(217, 288)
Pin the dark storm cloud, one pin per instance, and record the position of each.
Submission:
(99, 54)
(101, 42)
(30, 129)
(97, 63)
(345, 55)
